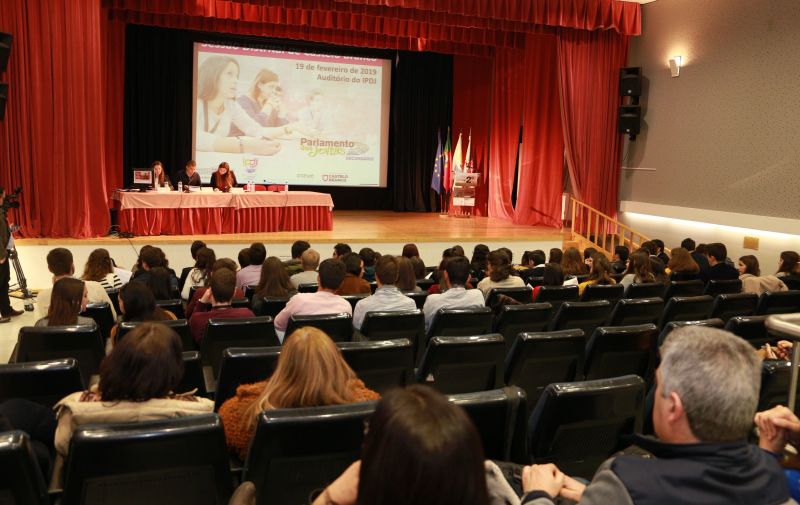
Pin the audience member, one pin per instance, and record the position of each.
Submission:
(201, 291)
(600, 273)
(219, 296)
(651, 248)
(749, 274)
(508, 252)
(251, 274)
(620, 262)
(454, 276)
(324, 301)
(310, 262)
(68, 299)
(552, 276)
(556, 256)
(419, 267)
(478, 263)
(6, 245)
(295, 265)
(200, 274)
(310, 372)
(407, 278)
(719, 269)
(499, 274)
(705, 400)
(244, 258)
(410, 251)
(368, 257)
(160, 283)
(340, 250)
(153, 257)
(100, 268)
(458, 250)
(572, 263)
(196, 246)
(137, 304)
(660, 253)
(788, 264)
(588, 256)
(387, 298)
(123, 274)
(353, 283)
(682, 263)
(639, 269)
(274, 283)
(61, 265)
(698, 256)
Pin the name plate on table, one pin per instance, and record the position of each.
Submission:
(464, 188)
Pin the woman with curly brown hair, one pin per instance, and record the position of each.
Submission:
(100, 268)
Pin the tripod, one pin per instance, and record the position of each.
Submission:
(22, 282)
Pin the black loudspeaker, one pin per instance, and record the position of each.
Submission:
(630, 81)
(5, 50)
(3, 97)
(629, 119)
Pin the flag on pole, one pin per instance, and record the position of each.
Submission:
(468, 159)
(458, 159)
(447, 182)
(436, 179)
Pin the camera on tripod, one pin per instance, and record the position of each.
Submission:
(12, 199)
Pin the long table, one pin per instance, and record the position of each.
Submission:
(210, 212)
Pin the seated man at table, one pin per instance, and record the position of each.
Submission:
(324, 301)
(310, 261)
(61, 265)
(218, 297)
(189, 177)
(387, 297)
(455, 277)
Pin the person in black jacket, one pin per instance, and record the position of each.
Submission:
(699, 258)
(189, 177)
(719, 269)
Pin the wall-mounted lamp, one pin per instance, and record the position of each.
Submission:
(675, 66)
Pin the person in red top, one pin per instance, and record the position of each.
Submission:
(353, 283)
(219, 296)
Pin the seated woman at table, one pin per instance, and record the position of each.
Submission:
(160, 180)
(223, 179)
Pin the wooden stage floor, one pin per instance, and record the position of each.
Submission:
(359, 227)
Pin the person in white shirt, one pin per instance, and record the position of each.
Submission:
(498, 274)
(251, 274)
(455, 277)
(387, 298)
(61, 265)
(310, 261)
(200, 275)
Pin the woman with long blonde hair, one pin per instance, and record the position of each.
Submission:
(311, 372)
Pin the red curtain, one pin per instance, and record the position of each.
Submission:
(52, 141)
(590, 63)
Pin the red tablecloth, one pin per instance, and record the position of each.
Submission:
(172, 213)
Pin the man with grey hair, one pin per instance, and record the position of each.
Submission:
(705, 400)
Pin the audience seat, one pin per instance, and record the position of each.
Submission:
(673, 325)
(463, 364)
(751, 328)
(425, 284)
(683, 288)
(113, 295)
(578, 425)
(582, 315)
(719, 287)
(645, 290)
(243, 365)
(728, 305)
(682, 276)
(307, 288)
(175, 306)
(792, 283)
(535, 281)
(630, 311)
(419, 298)
(100, 312)
(522, 295)
(613, 351)
(775, 378)
(500, 416)
(44, 382)
(458, 323)
(354, 299)
(556, 295)
(249, 292)
(272, 306)
(297, 451)
(337, 326)
(193, 378)
(82, 343)
(177, 461)
(240, 303)
(516, 319)
(539, 359)
(610, 292)
(180, 326)
(686, 308)
(221, 334)
(781, 302)
(408, 324)
(21, 481)
(382, 365)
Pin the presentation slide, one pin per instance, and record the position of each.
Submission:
(291, 118)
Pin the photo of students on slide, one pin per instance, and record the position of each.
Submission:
(314, 113)
(262, 101)
(218, 112)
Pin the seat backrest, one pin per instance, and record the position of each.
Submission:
(683, 276)
(181, 460)
(43, 382)
(240, 303)
(175, 306)
(181, 327)
(630, 311)
(578, 425)
(542, 358)
(583, 315)
(101, 313)
(557, 295)
(249, 291)
(718, 287)
(500, 416)
(457, 323)
(775, 379)
(271, 306)
(337, 326)
(383, 364)
(192, 375)
(297, 451)
(82, 343)
(113, 295)
(610, 292)
(310, 287)
(614, 351)
(780, 302)
(684, 288)
(535, 281)
(243, 365)
(236, 332)
(408, 324)
(728, 305)
(645, 290)
(522, 295)
(686, 308)
(425, 284)
(516, 319)
(354, 299)
(673, 325)
(463, 364)
(751, 328)
(419, 298)
(21, 481)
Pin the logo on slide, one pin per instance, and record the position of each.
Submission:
(250, 165)
(334, 177)
(322, 147)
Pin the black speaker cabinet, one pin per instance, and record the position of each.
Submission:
(629, 119)
(5, 50)
(630, 81)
